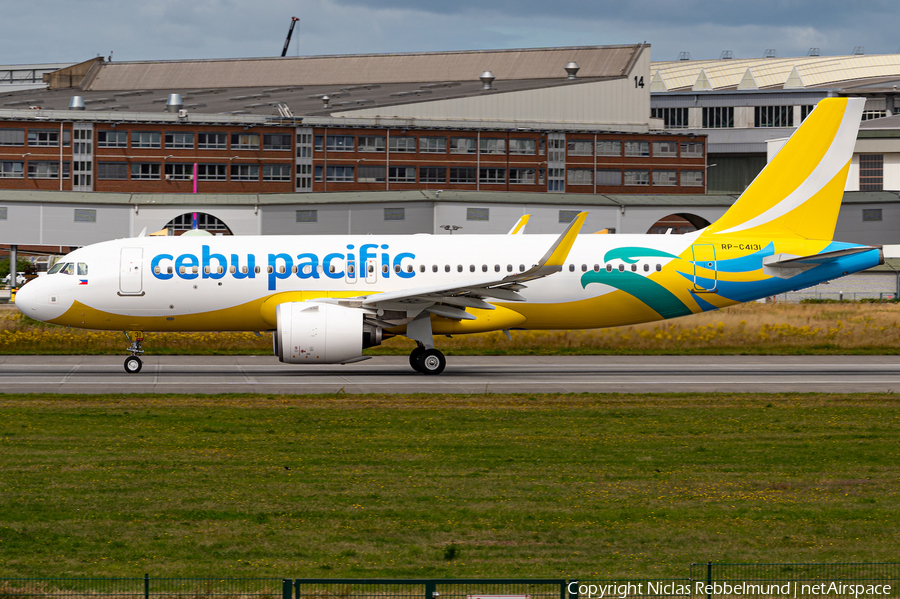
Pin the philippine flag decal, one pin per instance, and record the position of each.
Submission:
(82, 281)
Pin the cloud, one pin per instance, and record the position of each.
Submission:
(174, 29)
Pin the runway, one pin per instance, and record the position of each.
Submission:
(464, 374)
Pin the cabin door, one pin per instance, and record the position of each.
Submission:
(704, 267)
(130, 275)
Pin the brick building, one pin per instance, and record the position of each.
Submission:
(533, 121)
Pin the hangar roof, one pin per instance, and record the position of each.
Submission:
(797, 73)
(254, 86)
(359, 69)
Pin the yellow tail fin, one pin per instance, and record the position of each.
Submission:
(799, 192)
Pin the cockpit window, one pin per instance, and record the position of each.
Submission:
(68, 269)
(82, 269)
(55, 268)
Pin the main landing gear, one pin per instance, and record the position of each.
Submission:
(427, 361)
(133, 362)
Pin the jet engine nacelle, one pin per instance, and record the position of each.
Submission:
(320, 333)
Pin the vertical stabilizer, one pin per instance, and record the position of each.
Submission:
(798, 194)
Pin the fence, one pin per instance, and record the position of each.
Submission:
(445, 588)
(706, 579)
(801, 580)
(799, 296)
(143, 588)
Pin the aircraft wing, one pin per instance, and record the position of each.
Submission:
(455, 297)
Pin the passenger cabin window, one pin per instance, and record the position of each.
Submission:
(658, 267)
(571, 268)
(646, 268)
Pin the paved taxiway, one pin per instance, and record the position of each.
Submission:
(464, 374)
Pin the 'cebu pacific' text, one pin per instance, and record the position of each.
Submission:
(336, 265)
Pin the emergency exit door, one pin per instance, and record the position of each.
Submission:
(704, 267)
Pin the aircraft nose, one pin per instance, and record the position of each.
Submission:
(37, 301)
(25, 299)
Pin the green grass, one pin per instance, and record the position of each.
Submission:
(461, 486)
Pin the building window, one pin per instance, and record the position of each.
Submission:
(371, 143)
(339, 143)
(542, 176)
(718, 117)
(806, 109)
(522, 146)
(462, 145)
(277, 141)
(433, 145)
(3, 213)
(580, 147)
(245, 141)
(691, 149)
(43, 138)
(871, 172)
(179, 172)
(637, 177)
(370, 174)
(112, 139)
(557, 151)
(212, 172)
(871, 214)
(402, 143)
(12, 137)
(692, 178)
(491, 145)
(567, 216)
(637, 148)
(673, 118)
(41, 169)
(307, 216)
(521, 176)
(245, 172)
(555, 176)
(481, 214)
(276, 172)
(402, 174)
(462, 175)
(579, 176)
(665, 149)
(212, 141)
(609, 178)
(112, 171)
(339, 174)
(319, 174)
(12, 170)
(145, 139)
(144, 170)
(868, 115)
(773, 116)
(665, 178)
(180, 141)
(395, 214)
(432, 174)
(609, 148)
(492, 175)
(85, 215)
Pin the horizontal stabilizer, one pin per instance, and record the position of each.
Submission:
(787, 265)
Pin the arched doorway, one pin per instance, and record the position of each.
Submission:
(678, 223)
(197, 220)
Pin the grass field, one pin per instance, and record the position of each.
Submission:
(495, 485)
(749, 328)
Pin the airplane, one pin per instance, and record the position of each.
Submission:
(327, 298)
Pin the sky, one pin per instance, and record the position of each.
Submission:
(48, 31)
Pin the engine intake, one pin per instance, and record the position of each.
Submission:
(320, 333)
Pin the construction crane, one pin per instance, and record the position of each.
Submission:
(287, 42)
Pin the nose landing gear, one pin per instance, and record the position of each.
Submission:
(133, 362)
